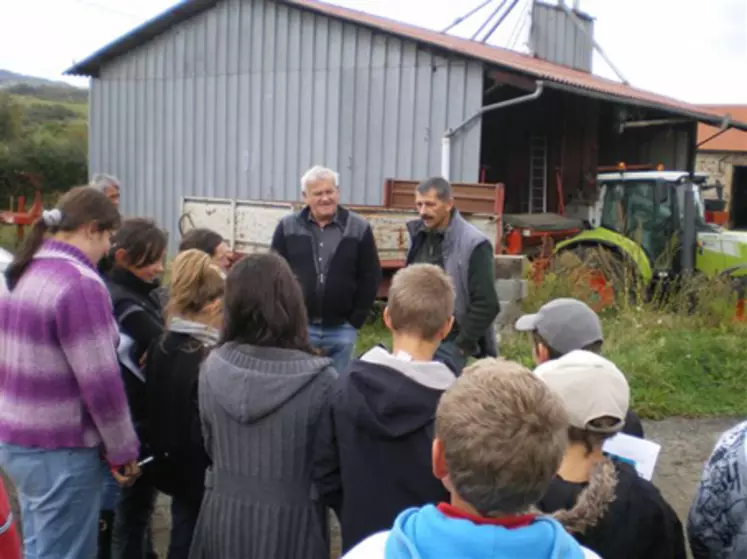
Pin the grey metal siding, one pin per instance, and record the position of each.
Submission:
(239, 101)
(556, 38)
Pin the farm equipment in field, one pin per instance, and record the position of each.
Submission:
(648, 229)
(20, 217)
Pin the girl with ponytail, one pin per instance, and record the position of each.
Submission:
(62, 401)
(193, 315)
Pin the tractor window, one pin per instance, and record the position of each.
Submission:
(642, 211)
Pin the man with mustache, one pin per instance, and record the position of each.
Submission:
(443, 237)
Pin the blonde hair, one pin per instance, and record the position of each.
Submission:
(195, 283)
(421, 300)
(504, 434)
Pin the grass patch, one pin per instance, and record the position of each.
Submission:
(674, 368)
(680, 360)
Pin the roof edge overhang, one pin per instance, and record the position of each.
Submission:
(706, 118)
(91, 66)
(186, 9)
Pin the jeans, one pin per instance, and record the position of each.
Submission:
(60, 496)
(183, 521)
(111, 489)
(131, 537)
(338, 342)
(448, 353)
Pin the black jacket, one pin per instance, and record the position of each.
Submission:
(633, 425)
(140, 320)
(620, 516)
(172, 373)
(383, 423)
(349, 289)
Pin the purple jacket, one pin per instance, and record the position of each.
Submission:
(60, 383)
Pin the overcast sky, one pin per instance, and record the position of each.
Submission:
(696, 53)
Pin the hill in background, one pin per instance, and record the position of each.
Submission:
(43, 137)
(41, 89)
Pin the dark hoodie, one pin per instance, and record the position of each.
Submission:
(260, 409)
(384, 410)
(617, 514)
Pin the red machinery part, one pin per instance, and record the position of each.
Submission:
(21, 218)
(10, 540)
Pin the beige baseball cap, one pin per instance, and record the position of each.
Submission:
(590, 386)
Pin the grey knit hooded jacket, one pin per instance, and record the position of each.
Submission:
(260, 410)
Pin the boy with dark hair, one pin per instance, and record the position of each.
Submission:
(564, 325)
(383, 408)
(605, 504)
(500, 437)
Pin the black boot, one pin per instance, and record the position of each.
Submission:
(106, 525)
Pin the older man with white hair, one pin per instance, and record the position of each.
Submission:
(333, 253)
(107, 184)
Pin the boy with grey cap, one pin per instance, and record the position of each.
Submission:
(604, 503)
(564, 325)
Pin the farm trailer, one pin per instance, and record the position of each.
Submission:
(248, 226)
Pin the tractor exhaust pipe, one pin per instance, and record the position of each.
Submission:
(688, 234)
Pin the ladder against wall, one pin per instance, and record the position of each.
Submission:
(537, 174)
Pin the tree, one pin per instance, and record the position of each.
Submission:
(11, 119)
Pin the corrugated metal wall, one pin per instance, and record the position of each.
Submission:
(239, 101)
(556, 38)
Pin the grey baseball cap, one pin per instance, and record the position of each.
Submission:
(565, 324)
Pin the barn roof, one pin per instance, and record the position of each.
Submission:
(553, 75)
(731, 140)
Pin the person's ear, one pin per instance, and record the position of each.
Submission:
(387, 318)
(120, 258)
(438, 459)
(446, 328)
(540, 353)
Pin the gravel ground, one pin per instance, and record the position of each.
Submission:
(686, 444)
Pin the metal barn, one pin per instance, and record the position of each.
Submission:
(236, 98)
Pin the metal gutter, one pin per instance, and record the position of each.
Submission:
(451, 132)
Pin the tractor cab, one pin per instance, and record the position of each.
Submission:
(647, 207)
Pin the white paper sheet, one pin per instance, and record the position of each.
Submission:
(639, 453)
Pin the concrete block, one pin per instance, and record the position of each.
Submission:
(510, 266)
(512, 289)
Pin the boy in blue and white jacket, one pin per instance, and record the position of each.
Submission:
(500, 436)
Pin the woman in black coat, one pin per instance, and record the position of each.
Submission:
(172, 371)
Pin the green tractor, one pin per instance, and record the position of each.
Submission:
(648, 228)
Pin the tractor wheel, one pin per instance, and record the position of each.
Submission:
(603, 277)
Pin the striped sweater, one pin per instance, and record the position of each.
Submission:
(60, 381)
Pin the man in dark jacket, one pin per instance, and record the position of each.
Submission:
(382, 410)
(443, 237)
(564, 325)
(333, 254)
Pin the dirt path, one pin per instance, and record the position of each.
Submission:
(686, 444)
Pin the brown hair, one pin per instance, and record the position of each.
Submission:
(264, 304)
(592, 439)
(81, 206)
(552, 353)
(143, 241)
(195, 283)
(504, 434)
(202, 239)
(421, 300)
